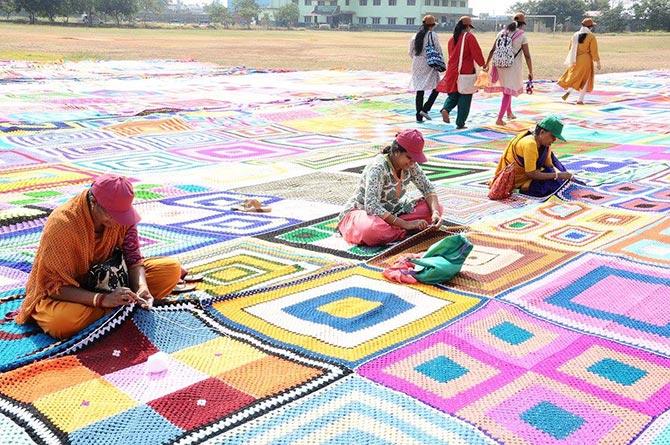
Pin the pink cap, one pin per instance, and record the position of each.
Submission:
(115, 194)
(412, 142)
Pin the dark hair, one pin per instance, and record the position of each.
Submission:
(582, 37)
(511, 27)
(393, 148)
(458, 29)
(418, 39)
(519, 24)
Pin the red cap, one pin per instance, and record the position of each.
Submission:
(412, 142)
(115, 194)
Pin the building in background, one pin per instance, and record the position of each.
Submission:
(381, 14)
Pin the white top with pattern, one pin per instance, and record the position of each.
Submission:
(379, 192)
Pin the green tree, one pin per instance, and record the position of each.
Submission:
(597, 5)
(119, 9)
(246, 10)
(69, 8)
(652, 15)
(614, 19)
(7, 7)
(219, 14)
(287, 15)
(527, 7)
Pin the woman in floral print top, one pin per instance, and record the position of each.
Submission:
(379, 213)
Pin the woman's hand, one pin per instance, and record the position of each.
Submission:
(565, 176)
(485, 68)
(118, 297)
(436, 218)
(144, 297)
(530, 76)
(418, 224)
(598, 65)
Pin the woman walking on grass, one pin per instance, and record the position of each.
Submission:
(507, 69)
(583, 52)
(462, 41)
(424, 77)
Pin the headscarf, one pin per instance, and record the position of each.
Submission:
(571, 58)
(68, 248)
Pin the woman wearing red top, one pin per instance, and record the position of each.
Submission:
(471, 53)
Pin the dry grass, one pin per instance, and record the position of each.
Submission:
(299, 49)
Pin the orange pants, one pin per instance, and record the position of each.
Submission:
(62, 319)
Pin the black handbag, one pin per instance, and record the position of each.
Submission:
(108, 275)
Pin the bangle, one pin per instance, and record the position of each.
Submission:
(555, 176)
(95, 299)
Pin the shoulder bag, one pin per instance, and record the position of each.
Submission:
(465, 82)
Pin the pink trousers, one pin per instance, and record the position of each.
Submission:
(357, 227)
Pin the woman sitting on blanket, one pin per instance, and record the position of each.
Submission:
(538, 172)
(86, 231)
(377, 214)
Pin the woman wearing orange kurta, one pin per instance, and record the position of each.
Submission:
(86, 231)
(583, 52)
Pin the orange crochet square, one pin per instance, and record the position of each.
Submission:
(268, 376)
(31, 382)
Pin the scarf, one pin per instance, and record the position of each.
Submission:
(67, 250)
(571, 58)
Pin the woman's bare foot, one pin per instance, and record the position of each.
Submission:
(511, 116)
(500, 122)
(445, 116)
(579, 102)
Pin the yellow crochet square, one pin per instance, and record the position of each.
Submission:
(349, 307)
(83, 404)
(219, 355)
(350, 314)
(240, 272)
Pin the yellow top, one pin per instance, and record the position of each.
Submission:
(524, 146)
(581, 73)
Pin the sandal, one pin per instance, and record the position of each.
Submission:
(180, 288)
(192, 278)
(251, 205)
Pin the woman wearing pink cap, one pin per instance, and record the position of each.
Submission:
(89, 262)
(378, 213)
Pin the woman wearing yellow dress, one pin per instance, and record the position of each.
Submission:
(583, 52)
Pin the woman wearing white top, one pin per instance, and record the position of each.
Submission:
(424, 77)
(509, 80)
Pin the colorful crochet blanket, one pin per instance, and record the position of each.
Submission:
(556, 331)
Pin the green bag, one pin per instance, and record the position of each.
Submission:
(443, 260)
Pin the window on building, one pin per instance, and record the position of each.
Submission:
(376, 20)
(376, 2)
(445, 2)
(409, 20)
(308, 19)
(454, 3)
(321, 3)
(391, 20)
(295, 2)
(362, 20)
(363, 2)
(427, 2)
(346, 2)
(333, 3)
(308, 2)
(464, 4)
(443, 19)
(411, 2)
(392, 2)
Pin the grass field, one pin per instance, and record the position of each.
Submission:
(300, 49)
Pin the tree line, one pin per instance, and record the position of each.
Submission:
(240, 12)
(643, 15)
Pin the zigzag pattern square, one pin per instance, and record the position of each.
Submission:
(240, 150)
(39, 177)
(608, 296)
(348, 315)
(357, 411)
(212, 380)
(242, 264)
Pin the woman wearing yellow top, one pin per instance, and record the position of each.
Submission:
(538, 172)
(583, 52)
